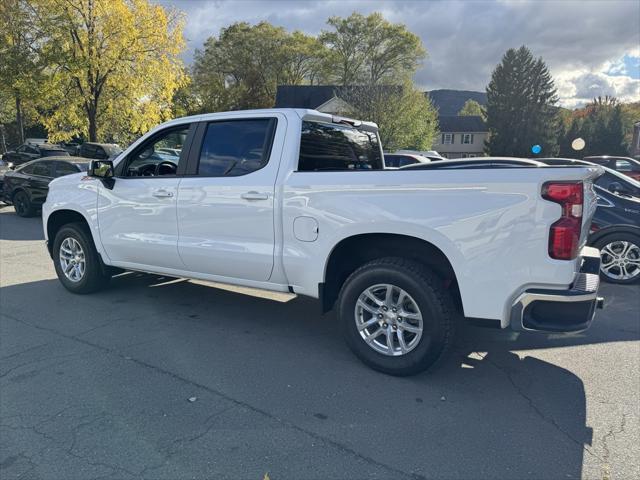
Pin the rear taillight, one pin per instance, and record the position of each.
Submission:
(564, 235)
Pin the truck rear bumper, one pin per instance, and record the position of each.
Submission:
(569, 310)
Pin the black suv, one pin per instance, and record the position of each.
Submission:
(27, 186)
(99, 151)
(29, 151)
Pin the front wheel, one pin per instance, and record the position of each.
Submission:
(76, 260)
(396, 316)
(620, 258)
(22, 204)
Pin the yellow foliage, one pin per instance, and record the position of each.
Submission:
(114, 67)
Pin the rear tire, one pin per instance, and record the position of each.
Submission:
(418, 316)
(76, 260)
(22, 204)
(620, 254)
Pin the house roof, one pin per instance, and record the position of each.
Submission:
(450, 102)
(313, 96)
(304, 96)
(455, 123)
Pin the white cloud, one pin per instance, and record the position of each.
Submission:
(576, 87)
(582, 42)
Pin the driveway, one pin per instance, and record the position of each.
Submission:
(163, 378)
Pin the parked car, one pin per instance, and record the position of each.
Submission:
(430, 154)
(612, 181)
(476, 164)
(100, 151)
(26, 187)
(4, 168)
(299, 201)
(615, 231)
(35, 141)
(71, 147)
(397, 160)
(30, 151)
(626, 165)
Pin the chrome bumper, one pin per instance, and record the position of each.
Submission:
(569, 310)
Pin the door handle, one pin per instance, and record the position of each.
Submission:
(252, 195)
(162, 193)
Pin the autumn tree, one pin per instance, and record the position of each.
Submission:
(521, 110)
(371, 50)
(21, 64)
(114, 66)
(243, 66)
(471, 108)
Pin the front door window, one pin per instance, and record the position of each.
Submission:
(158, 157)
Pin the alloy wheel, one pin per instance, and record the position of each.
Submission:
(72, 259)
(620, 260)
(388, 319)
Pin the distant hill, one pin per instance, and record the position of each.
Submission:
(450, 102)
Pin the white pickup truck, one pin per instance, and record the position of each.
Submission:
(299, 201)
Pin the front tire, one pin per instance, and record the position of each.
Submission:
(76, 260)
(22, 204)
(395, 315)
(620, 255)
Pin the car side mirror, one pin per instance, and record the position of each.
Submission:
(103, 170)
(616, 187)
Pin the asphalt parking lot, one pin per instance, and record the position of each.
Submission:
(163, 378)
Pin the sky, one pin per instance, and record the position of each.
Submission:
(592, 47)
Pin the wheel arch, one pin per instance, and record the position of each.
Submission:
(612, 230)
(353, 251)
(17, 190)
(59, 218)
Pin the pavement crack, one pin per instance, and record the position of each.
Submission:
(175, 446)
(397, 472)
(551, 421)
(611, 434)
(33, 362)
(35, 347)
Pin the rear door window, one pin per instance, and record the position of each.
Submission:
(232, 148)
(43, 169)
(65, 168)
(338, 147)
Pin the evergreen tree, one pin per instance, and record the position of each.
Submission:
(616, 140)
(521, 110)
(601, 124)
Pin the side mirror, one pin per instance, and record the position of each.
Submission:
(102, 169)
(616, 187)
